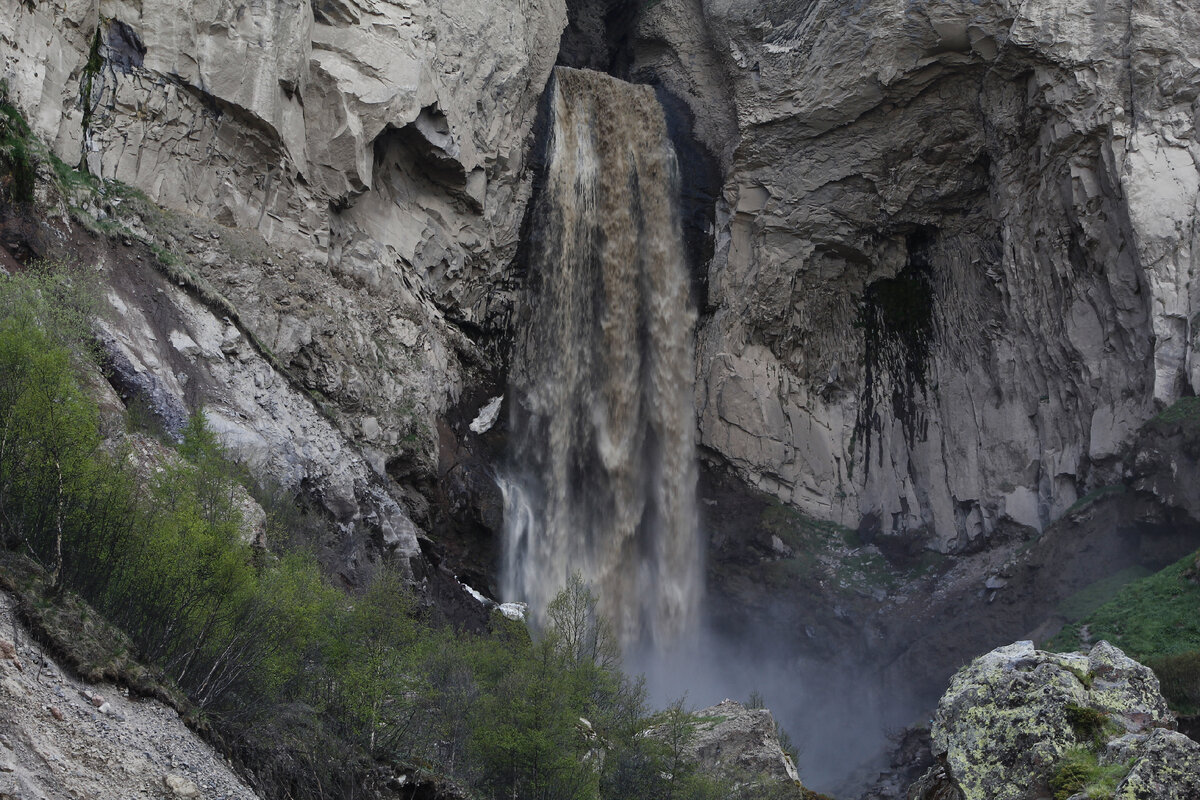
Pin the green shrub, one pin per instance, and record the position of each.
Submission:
(17, 154)
(1089, 724)
(314, 684)
(1080, 770)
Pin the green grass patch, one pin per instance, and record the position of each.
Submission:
(1096, 594)
(800, 531)
(1183, 412)
(1148, 618)
(1090, 725)
(823, 549)
(1096, 495)
(1080, 770)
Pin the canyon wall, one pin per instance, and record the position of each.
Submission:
(371, 156)
(952, 242)
(954, 247)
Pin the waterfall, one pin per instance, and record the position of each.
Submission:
(602, 427)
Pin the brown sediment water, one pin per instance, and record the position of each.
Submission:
(603, 477)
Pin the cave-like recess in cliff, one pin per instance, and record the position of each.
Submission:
(897, 320)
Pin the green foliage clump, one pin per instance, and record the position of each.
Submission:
(17, 156)
(1184, 412)
(1088, 724)
(1080, 770)
(313, 686)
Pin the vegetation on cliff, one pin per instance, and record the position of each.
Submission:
(317, 692)
(1154, 620)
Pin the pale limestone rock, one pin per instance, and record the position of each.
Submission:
(1045, 156)
(738, 743)
(267, 423)
(181, 787)
(378, 147)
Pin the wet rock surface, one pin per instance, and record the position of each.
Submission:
(1022, 179)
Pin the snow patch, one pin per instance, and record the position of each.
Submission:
(514, 611)
(487, 415)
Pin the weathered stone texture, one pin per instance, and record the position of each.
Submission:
(1029, 169)
(1010, 717)
(382, 144)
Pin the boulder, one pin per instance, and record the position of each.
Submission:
(181, 788)
(1021, 724)
(730, 740)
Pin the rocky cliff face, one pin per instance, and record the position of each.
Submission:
(953, 246)
(952, 241)
(379, 147)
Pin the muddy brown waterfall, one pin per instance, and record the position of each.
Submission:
(603, 455)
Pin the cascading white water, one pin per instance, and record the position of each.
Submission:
(604, 471)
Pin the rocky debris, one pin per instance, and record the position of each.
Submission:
(181, 787)
(9, 652)
(1163, 459)
(1020, 723)
(910, 759)
(138, 748)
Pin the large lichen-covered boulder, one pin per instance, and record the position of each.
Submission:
(1020, 723)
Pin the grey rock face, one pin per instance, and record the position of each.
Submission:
(952, 249)
(731, 739)
(156, 334)
(1011, 717)
(380, 145)
(1166, 765)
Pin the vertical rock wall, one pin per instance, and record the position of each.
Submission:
(954, 243)
(379, 145)
(954, 247)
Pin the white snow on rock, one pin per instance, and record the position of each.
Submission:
(487, 416)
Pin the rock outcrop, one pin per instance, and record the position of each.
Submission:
(731, 741)
(952, 240)
(60, 738)
(378, 149)
(953, 246)
(1020, 723)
